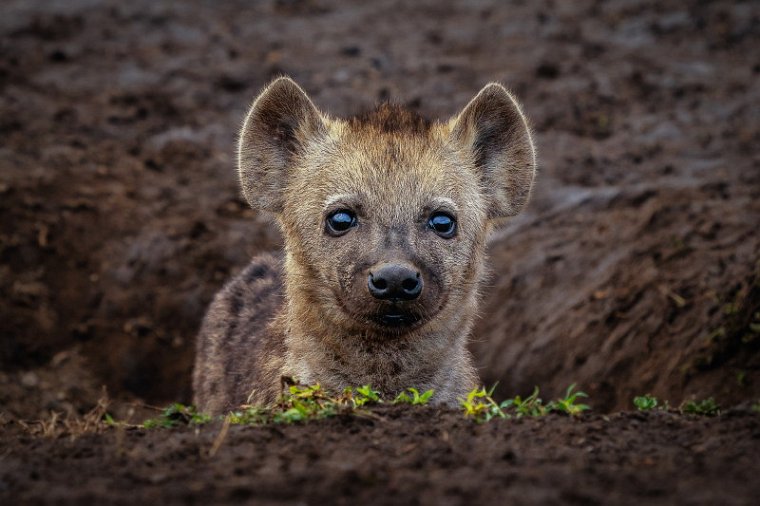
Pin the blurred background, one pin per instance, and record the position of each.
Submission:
(635, 269)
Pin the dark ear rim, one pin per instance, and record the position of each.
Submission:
(493, 123)
(275, 128)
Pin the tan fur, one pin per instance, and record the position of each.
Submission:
(312, 317)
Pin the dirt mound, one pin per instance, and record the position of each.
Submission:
(401, 455)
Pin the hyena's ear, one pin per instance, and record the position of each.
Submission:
(495, 129)
(281, 122)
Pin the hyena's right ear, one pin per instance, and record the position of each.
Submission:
(281, 121)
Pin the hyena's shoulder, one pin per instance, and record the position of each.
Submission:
(239, 349)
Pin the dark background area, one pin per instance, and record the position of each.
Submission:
(635, 268)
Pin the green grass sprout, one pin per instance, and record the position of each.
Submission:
(646, 402)
(569, 403)
(175, 415)
(414, 397)
(705, 407)
(480, 405)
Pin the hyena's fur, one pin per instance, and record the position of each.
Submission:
(309, 314)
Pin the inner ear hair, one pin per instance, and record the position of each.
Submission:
(494, 129)
(279, 124)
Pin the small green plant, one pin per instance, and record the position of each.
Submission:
(755, 407)
(297, 403)
(300, 403)
(569, 404)
(706, 407)
(646, 402)
(364, 395)
(481, 406)
(304, 402)
(413, 396)
(530, 406)
(649, 402)
(177, 414)
(250, 415)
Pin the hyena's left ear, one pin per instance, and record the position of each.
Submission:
(279, 125)
(494, 128)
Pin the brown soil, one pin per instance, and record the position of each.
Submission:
(635, 269)
(401, 456)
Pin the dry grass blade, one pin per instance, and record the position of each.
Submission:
(74, 426)
(220, 437)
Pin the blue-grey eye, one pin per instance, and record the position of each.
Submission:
(443, 224)
(338, 222)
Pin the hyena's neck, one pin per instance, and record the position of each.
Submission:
(433, 357)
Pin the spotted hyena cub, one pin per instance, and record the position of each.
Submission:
(385, 218)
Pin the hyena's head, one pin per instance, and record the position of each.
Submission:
(385, 216)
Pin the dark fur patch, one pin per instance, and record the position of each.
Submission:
(392, 118)
(235, 338)
(236, 302)
(256, 270)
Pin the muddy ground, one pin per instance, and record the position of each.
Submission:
(636, 267)
(401, 456)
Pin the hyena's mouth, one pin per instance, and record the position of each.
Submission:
(396, 318)
(390, 317)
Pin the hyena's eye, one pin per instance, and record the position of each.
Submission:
(339, 222)
(443, 224)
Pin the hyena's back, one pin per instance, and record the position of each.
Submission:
(237, 350)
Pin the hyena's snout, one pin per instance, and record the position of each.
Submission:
(395, 282)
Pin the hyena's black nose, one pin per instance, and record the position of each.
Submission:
(395, 281)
